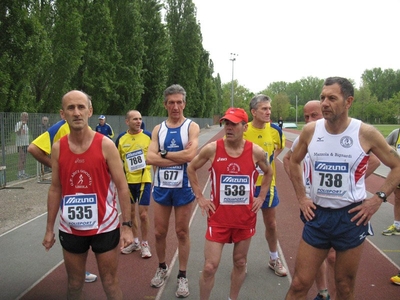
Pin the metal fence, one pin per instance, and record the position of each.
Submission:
(12, 160)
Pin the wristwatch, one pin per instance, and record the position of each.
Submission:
(382, 195)
(129, 224)
(163, 153)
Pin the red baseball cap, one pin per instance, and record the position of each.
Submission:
(235, 115)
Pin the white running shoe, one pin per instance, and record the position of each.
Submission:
(132, 247)
(183, 288)
(145, 248)
(159, 279)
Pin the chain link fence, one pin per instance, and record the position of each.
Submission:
(18, 130)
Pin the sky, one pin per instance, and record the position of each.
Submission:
(287, 40)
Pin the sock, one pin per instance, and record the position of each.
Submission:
(324, 293)
(144, 243)
(397, 224)
(162, 265)
(273, 255)
(136, 240)
(182, 274)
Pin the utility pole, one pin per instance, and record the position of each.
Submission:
(233, 58)
(296, 109)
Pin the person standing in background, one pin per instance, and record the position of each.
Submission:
(104, 128)
(132, 146)
(393, 140)
(271, 139)
(22, 143)
(280, 122)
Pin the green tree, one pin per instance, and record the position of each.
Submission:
(97, 73)
(186, 51)
(156, 58)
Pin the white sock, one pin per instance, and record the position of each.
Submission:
(144, 242)
(273, 255)
(136, 240)
(397, 224)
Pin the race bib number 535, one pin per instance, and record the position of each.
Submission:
(80, 211)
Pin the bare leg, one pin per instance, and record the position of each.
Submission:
(144, 221)
(308, 261)
(269, 217)
(182, 218)
(108, 264)
(161, 222)
(238, 274)
(75, 265)
(212, 256)
(345, 272)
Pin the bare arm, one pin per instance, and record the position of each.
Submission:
(114, 163)
(53, 200)
(373, 164)
(173, 158)
(206, 154)
(286, 162)
(372, 139)
(39, 155)
(296, 174)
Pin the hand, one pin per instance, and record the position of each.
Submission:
(307, 207)
(206, 206)
(126, 237)
(48, 240)
(257, 203)
(366, 210)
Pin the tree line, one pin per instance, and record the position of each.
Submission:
(125, 53)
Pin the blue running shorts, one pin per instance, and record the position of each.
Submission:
(333, 228)
(173, 197)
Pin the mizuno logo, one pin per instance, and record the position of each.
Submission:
(338, 167)
(320, 139)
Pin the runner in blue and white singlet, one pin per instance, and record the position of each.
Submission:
(338, 164)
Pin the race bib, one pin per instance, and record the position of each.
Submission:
(80, 211)
(234, 190)
(171, 177)
(135, 160)
(330, 179)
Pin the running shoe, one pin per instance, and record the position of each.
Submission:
(277, 266)
(159, 279)
(183, 288)
(396, 279)
(89, 277)
(132, 247)
(145, 248)
(391, 230)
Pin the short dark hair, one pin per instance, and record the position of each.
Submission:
(346, 87)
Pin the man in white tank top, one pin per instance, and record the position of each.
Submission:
(337, 214)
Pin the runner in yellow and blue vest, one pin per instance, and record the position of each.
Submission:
(272, 140)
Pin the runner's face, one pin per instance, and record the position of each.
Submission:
(312, 112)
(234, 131)
(75, 110)
(263, 112)
(175, 106)
(134, 122)
(333, 104)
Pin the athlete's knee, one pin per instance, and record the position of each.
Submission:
(210, 268)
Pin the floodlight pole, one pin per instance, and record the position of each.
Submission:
(233, 58)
